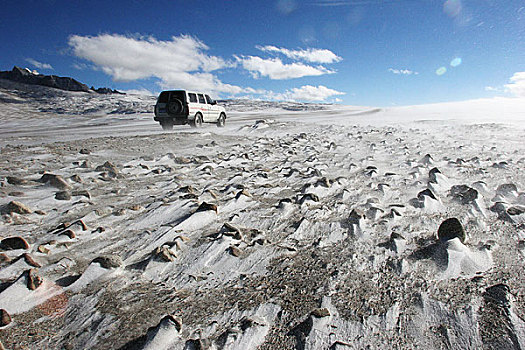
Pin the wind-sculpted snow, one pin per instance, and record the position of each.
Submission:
(283, 230)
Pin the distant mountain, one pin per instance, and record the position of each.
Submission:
(26, 76)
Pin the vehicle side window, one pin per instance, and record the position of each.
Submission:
(193, 98)
(209, 100)
(201, 99)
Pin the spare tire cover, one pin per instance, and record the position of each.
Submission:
(175, 107)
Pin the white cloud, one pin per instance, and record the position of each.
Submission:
(308, 55)
(179, 63)
(491, 88)
(38, 65)
(275, 69)
(402, 71)
(81, 66)
(517, 85)
(306, 93)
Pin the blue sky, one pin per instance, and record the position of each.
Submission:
(357, 52)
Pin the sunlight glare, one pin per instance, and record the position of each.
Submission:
(286, 6)
(455, 62)
(441, 70)
(452, 7)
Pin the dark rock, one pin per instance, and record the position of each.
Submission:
(189, 196)
(283, 201)
(165, 253)
(308, 196)
(207, 206)
(232, 231)
(14, 180)
(243, 193)
(500, 165)
(323, 182)
(107, 166)
(43, 249)
(355, 216)
(76, 179)
(235, 251)
(63, 196)
(427, 159)
(427, 193)
(84, 193)
(10, 243)
(70, 233)
(516, 210)
(4, 258)
(106, 91)
(86, 164)
(33, 280)
(16, 194)
(30, 260)
(25, 76)
(321, 312)
(198, 344)
(17, 207)
(395, 235)
(450, 229)
(497, 294)
(108, 261)
(84, 151)
(501, 209)
(56, 181)
(5, 318)
(99, 229)
(432, 174)
(507, 189)
(463, 194)
(174, 320)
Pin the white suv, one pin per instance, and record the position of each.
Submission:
(179, 107)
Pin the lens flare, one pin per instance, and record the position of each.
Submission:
(455, 62)
(286, 7)
(452, 7)
(441, 71)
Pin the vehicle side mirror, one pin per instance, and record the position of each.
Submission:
(213, 102)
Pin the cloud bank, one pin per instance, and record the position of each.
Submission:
(275, 69)
(38, 65)
(517, 85)
(308, 55)
(402, 71)
(307, 93)
(183, 62)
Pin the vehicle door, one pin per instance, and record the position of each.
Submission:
(192, 103)
(203, 106)
(213, 109)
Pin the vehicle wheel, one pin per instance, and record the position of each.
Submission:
(167, 125)
(175, 107)
(197, 123)
(221, 121)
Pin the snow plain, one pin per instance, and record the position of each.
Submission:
(297, 226)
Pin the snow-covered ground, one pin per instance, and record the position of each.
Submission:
(304, 226)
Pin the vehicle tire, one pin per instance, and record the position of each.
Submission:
(197, 123)
(221, 121)
(167, 125)
(175, 107)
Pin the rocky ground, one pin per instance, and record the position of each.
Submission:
(268, 234)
